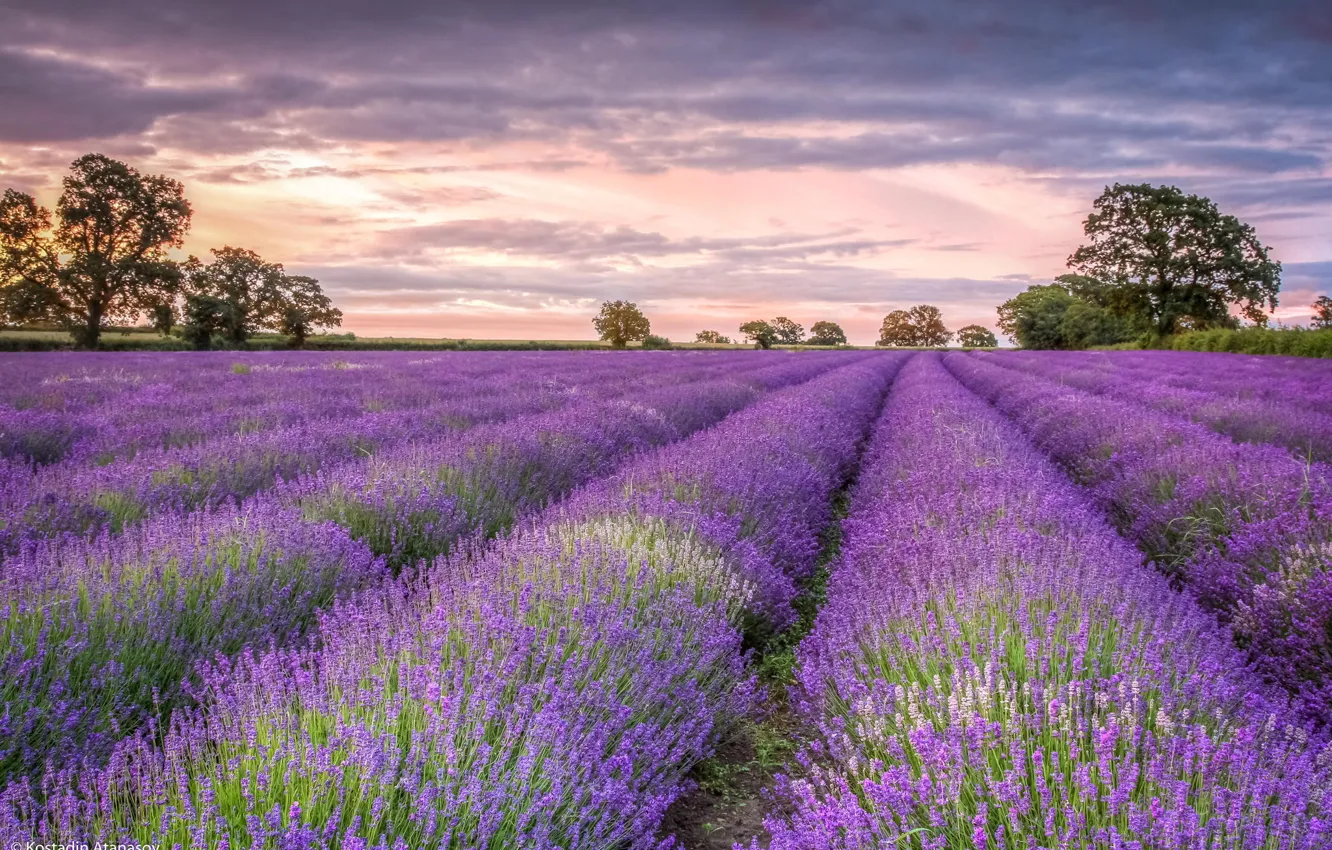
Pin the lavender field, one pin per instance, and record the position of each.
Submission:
(531, 599)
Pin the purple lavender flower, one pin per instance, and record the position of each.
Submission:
(995, 667)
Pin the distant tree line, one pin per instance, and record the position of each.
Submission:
(765, 333)
(622, 322)
(104, 257)
(1157, 262)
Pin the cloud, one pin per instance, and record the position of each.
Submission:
(585, 242)
(1032, 84)
(516, 144)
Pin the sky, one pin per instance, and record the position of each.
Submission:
(497, 169)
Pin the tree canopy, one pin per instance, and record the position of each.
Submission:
(827, 333)
(712, 337)
(897, 329)
(759, 332)
(1053, 316)
(921, 326)
(976, 336)
(1173, 259)
(621, 322)
(1322, 312)
(105, 256)
(787, 332)
(240, 293)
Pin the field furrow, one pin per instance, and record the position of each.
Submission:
(1244, 527)
(995, 668)
(551, 692)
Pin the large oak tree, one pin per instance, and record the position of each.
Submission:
(920, 326)
(621, 322)
(103, 258)
(1174, 259)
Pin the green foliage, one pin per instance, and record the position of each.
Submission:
(1293, 342)
(827, 333)
(759, 332)
(977, 336)
(105, 256)
(922, 326)
(656, 343)
(621, 322)
(1050, 316)
(787, 332)
(207, 317)
(1322, 313)
(713, 337)
(1173, 260)
(164, 318)
(258, 296)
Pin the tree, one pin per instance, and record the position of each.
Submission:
(105, 259)
(242, 279)
(621, 322)
(1174, 259)
(259, 296)
(1034, 318)
(305, 307)
(977, 336)
(1050, 316)
(714, 337)
(1322, 312)
(897, 330)
(787, 332)
(827, 333)
(163, 315)
(922, 325)
(207, 316)
(930, 330)
(759, 332)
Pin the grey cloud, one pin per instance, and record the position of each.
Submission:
(582, 242)
(1080, 82)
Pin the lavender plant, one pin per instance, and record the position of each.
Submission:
(101, 636)
(1250, 403)
(994, 668)
(1242, 526)
(552, 692)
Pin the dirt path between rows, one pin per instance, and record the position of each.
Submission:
(732, 796)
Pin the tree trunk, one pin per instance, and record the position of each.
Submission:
(91, 333)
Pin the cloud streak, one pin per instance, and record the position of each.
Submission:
(806, 153)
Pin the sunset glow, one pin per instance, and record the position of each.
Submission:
(499, 169)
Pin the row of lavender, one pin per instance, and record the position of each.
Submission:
(1247, 528)
(276, 422)
(995, 668)
(552, 690)
(101, 634)
(1246, 398)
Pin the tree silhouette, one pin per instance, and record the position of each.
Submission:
(1322, 312)
(787, 332)
(105, 258)
(258, 295)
